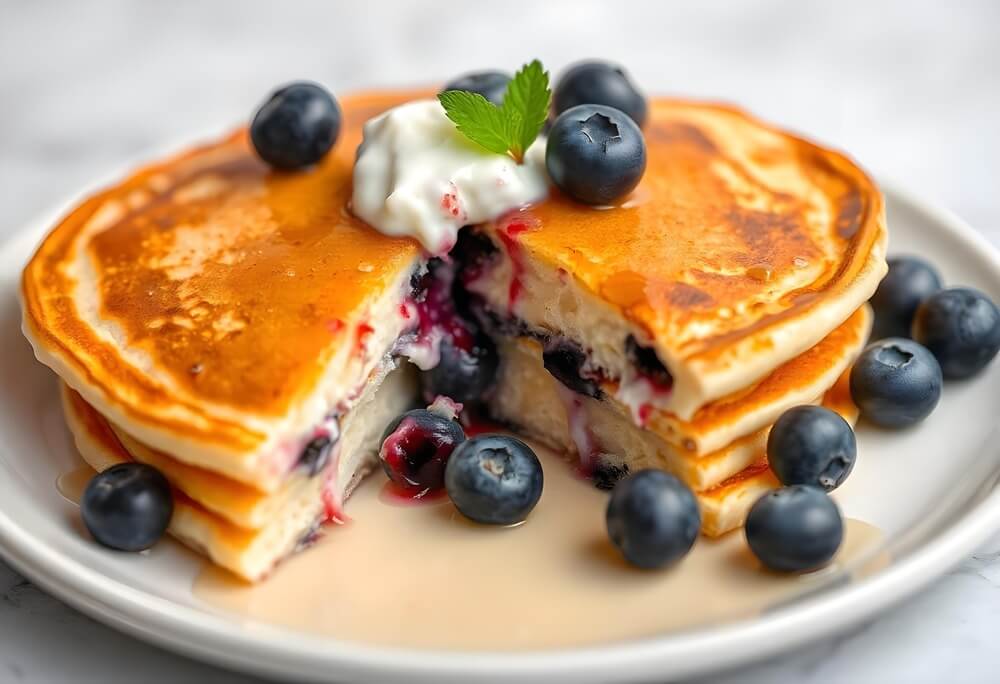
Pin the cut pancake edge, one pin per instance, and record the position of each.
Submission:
(604, 441)
(236, 443)
(197, 528)
(204, 517)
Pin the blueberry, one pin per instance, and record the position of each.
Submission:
(296, 126)
(896, 382)
(474, 253)
(316, 454)
(647, 363)
(599, 83)
(490, 84)
(794, 529)
(466, 372)
(812, 445)
(595, 154)
(607, 475)
(416, 447)
(565, 360)
(909, 281)
(128, 506)
(494, 479)
(961, 327)
(652, 518)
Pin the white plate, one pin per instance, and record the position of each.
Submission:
(932, 491)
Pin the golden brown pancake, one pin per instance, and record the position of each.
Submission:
(212, 316)
(742, 247)
(202, 301)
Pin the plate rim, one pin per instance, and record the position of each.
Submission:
(281, 651)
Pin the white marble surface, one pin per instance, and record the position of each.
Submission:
(912, 89)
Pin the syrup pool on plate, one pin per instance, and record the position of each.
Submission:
(72, 482)
(423, 576)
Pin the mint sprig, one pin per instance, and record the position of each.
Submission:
(511, 127)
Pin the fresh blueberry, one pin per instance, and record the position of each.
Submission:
(812, 445)
(494, 479)
(416, 448)
(490, 84)
(128, 506)
(565, 360)
(652, 518)
(909, 281)
(896, 382)
(794, 529)
(466, 372)
(296, 126)
(595, 154)
(599, 83)
(961, 327)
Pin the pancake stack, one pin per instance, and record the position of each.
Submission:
(239, 329)
(730, 287)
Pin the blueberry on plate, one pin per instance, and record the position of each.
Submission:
(896, 382)
(961, 327)
(595, 154)
(128, 506)
(416, 447)
(494, 479)
(811, 445)
(490, 84)
(794, 529)
(909, 281)
(296, 126)
(652, 518)
(598, 83)
(465, 372)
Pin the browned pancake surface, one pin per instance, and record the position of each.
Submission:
(216, 282)
(734, 227)
(234, 281)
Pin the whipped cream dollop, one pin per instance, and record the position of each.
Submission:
(417, 176)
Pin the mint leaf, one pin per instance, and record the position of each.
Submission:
(477, 119)
(511, 128)
(526, 106)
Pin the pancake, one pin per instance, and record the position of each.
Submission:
(608, 446)
(742, 247)
(217, 310)
(724, 507)
(719, 442)
(240, 528)
(215, 318)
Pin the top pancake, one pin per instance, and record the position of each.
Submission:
(741, 247)
(205, 295)
(201, 302)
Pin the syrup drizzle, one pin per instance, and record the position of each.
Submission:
(72, 483)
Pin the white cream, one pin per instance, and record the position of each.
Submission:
(417, 176)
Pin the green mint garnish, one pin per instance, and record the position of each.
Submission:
(510, 128)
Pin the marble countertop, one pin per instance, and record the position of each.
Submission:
(912, 89)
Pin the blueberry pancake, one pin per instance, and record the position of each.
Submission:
(241, 329)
